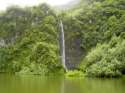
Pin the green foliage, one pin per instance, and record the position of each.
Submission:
(4, 60)
(100, 24)
(107, 60)
(32, 34)
(31, 38)
(74, 73)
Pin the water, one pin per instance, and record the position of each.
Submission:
(38, 84)
(63, 46)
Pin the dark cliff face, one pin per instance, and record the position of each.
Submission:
(29, 40)
(15, 21)
(73, 40)
(74, 51)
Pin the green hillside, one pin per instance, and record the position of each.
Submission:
(94, 37)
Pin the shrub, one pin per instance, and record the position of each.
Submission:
(106, 60)
(74, 73)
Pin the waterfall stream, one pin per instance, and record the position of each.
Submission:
(63, 56)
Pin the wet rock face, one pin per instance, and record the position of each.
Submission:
(73, 41)
(2, 43)
(9, 39)
(74, 52)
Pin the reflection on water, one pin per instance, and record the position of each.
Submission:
(37, 84)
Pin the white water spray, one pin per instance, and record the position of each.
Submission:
(63, 56)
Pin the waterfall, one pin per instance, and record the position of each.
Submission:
(63, 57)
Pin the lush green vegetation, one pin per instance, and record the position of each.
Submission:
(107, 60)
(74, 73)
(100, 24)
(29, 38)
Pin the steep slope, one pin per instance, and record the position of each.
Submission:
(97, 22)
(33, 41)
(94, 35)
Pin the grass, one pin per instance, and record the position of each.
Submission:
(74, 73)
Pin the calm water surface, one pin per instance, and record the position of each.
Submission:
(37, 84)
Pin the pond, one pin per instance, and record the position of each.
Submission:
(38, 84)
